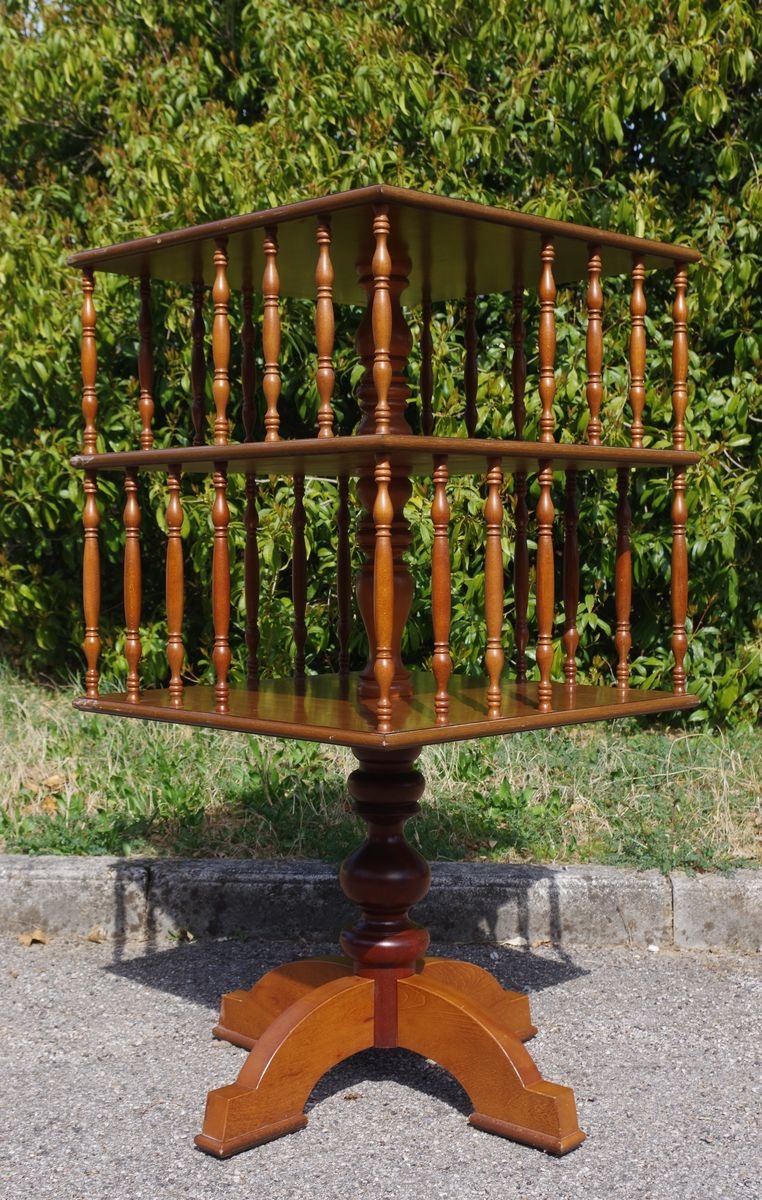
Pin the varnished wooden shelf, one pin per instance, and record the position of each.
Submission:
(328, 457)
(325, 708)
(446, 239)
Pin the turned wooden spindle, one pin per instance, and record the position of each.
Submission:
(472, 365)
(343, 575)
(637, 349)
(385, 877)
(623, 579)
(325, 326)
(145, 365)
(221, 587)
(221, 343)
(89, 361)
(198, 363)
(248, 365)
(571, 579)
(251, 579)
(383, 594)
(441, 663)
(175, 587)
(382, 318)
(545, 586)
(679, 587)
(494, 585)
(594, 345)
(394, 353)
(427, 374)
(250, 520)
(91, 567)
(547, 340)
(679, 357)
(132, 584)
(679, 581)
(521, 514)
(299, 576)
(271, 383)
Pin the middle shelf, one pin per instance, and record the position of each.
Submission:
(334, 456)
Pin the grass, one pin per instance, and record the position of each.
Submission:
(612, 793)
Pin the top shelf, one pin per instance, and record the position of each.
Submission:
(328, 457)
(453, 245)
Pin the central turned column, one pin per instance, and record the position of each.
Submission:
(383, 342)
(385, 877)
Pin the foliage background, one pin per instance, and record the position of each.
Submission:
(126, 118)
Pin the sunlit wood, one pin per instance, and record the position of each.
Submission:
(441, 662)
(325, 326)
(175, 588)
(594, 346)
(221, 344)
(494, 656)
(91, 569)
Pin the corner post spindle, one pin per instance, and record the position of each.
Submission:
(325, 327)
(679, 587)
(547, 340)
(521, 516)
(494, 657)
(271, 382)
(299, 576)
(132, 584)
(383, 343)
(250, 520)
(343, 575)
(175, 587)
(198, 363)
(383, 593)
(91, 568)
(221, 587)
(472, 366)
(440, 590)
(381, 317)
(145, 365)
(637, 349)
(571, 579)
(427, 374)
(221, 343)
(623, 580)
(594, 345)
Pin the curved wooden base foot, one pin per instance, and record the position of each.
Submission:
(508, 1093)
(245, 1015)
(302, 1019)
(267, 1100)
(509, 1010)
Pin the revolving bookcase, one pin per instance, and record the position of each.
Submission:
(378, 247)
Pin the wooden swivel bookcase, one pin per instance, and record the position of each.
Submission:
(378, 245)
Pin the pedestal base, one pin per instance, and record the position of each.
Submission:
(302, 1019)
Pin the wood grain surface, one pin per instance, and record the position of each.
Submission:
(325, 708)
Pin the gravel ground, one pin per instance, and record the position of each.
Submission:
(106, 1060)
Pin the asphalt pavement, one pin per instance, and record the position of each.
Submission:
(107, 1056)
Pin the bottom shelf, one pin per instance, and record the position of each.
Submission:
(325, 708)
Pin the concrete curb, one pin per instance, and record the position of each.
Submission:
(151, 900)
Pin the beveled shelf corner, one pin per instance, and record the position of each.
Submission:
(327, 708)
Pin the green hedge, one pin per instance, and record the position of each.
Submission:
(124, 118)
